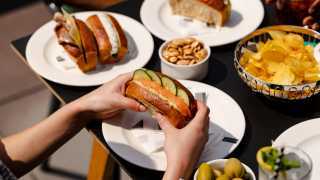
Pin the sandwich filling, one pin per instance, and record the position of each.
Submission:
(176, 103)
(112, 33)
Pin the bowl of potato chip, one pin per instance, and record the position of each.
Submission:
(279, 61)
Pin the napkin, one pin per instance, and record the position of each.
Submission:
(148, 135)
(152, 140)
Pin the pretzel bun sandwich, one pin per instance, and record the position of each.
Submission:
(162, 94)
(209, 11)
(77, 40)
(111, 39)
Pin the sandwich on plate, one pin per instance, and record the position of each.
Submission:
(98, 40)
(212, 12)
(162, 94)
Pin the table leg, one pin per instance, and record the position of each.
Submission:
(102, 165)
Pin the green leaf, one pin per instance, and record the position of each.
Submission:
(72, 28)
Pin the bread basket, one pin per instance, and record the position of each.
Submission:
(287, 92)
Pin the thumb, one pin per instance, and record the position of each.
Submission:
(163, 123)
(127, 103)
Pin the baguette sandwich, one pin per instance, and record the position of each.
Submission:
(111, 39)
(162, 94)
(77, 40)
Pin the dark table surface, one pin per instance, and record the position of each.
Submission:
(265, 119)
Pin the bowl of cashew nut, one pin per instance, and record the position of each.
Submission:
(185, 58)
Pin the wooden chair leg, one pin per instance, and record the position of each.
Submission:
(102, 165)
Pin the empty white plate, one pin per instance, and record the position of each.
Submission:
(226, 121)
(246, 16)
(306, 136)
(49, 59)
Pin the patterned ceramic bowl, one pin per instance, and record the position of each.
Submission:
(289, 92)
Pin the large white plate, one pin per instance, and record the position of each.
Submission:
(306, 136)
(246, 16)
(226, 120)
(43, 49)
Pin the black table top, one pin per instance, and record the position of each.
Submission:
(265, 119)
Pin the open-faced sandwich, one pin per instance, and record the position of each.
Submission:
(215, 12)
(162, 94)
(101, 39)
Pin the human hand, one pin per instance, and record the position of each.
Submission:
(107, 100)
(183, 147)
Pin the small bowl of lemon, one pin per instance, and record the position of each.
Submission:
(224, 169)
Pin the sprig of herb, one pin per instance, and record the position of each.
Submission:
(278, 161)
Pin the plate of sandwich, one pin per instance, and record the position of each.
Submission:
(136, 137)
(215, 22)
(88, 48)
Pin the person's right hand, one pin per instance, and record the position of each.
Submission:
(108, 100)
(183, 147)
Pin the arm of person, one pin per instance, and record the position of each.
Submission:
(23, 151)
(183, 147)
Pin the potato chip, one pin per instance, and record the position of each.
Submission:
(283, 60)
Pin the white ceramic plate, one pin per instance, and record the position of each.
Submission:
(224, 122)
(246, 16)
(43, 49)
(306, 136)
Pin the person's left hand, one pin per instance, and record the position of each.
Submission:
(109, 99)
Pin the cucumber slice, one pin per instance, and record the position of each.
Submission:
(141, 74)
(154, 76)
(169, 84)
(182, 94)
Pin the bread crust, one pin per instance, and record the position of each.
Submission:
(158, 98)
(123, 49)
(217, 4)
(142, 95)
(209, 11)
(89, 46)
(74, 52)
(192, 101)
(102, 38)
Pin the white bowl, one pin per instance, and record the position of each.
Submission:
(192, 72)
(220, 163)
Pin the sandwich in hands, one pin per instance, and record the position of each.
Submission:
(111, 39)
(77, 40)
(162, 94)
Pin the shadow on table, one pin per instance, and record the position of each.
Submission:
(308, 108)
(219, 71)
(245, 140)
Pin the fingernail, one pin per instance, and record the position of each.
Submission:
(142, 108)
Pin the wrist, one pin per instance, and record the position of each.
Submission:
(176, 170)
(79, 112)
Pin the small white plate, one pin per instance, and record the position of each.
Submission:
(224, 122)
(246, 16)
(306, 136)
(43, 50)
